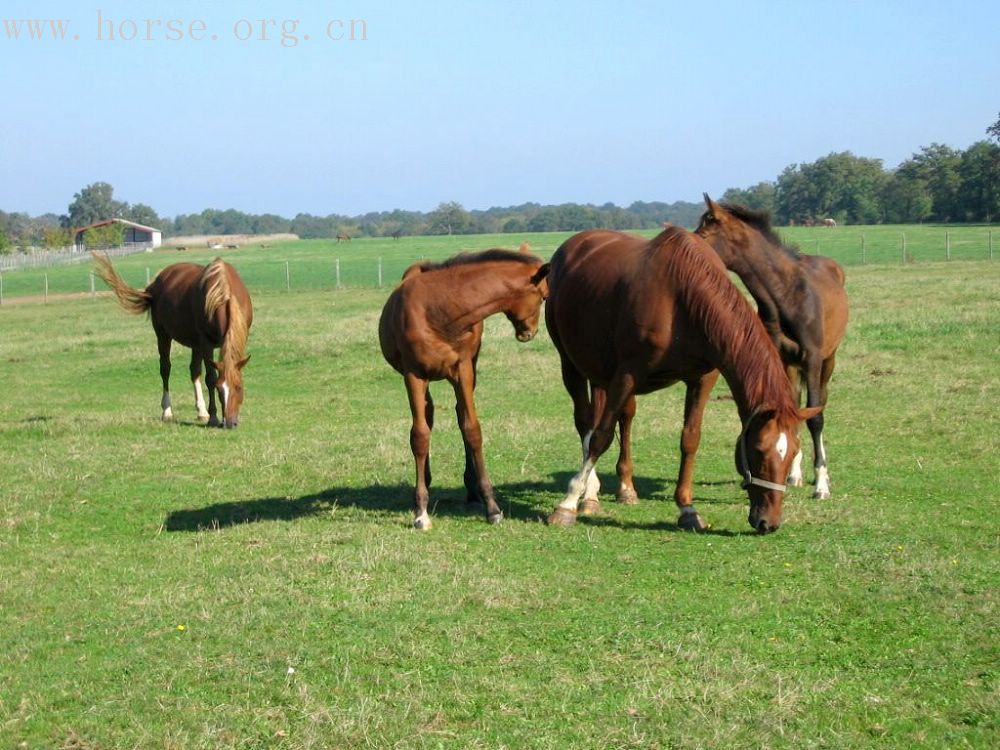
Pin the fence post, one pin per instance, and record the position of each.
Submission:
(947, 245)
(288, 278)
(1, 288)
(991, 244)
(904, 249)
(380, 272)
(46, 289)
(93, 289)
(338, 272)
(862, 249)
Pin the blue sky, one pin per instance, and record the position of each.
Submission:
(486, 103)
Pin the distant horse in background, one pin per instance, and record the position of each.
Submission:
(343, 237)
(801, 300)
(397, 234)
(631, 316)
(829, 222)
(201, 307)
(431, 328)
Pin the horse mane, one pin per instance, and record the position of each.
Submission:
(761, 221)
(731, 325)
(214, 283)
(484, 256)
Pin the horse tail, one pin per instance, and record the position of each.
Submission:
(132, 300)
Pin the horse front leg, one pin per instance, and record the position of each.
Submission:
(695, 399)
(211, 381)
(795, 471)
(472, 436)
(420, 446)
(199, 396)
(163, 348)
(596, 442)
(626, 485)
(816, 383)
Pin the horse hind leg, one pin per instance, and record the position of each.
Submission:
(199, 396)
(163, 347)
(420, 443)
(815, 425)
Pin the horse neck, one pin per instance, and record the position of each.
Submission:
(766, 271)
(492, 289)
(740, 347)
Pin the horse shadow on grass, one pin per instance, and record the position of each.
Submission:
(521, 502)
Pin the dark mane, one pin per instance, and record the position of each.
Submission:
(485, 256)
(761, 221)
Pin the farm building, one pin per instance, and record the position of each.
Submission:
(134, 234)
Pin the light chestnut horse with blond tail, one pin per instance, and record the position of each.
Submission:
(203, 308)
(431, 329)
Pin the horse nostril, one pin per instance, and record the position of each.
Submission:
(762, 526)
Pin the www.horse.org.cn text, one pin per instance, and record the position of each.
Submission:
(288, 32)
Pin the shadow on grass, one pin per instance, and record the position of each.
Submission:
(524, 501)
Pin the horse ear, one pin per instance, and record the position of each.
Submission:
(713, 207)
(524, 248)
(809, 413)
(243, 362)
(540, 274)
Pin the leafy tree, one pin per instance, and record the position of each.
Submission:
(4, 242)
(938, 165)
(993, 131)
(760, 197)
(110, 235)
(57, 237)
(979, 190)
(905, 197)
(449, 218)
(140, 213)
(92, 204)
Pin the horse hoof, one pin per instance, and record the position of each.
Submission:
(561, 517)
(589, 507)
(203, 418)
(794, 481)
(821, 495)
(422, 524)
(495, 518)
(627, 496)
(692, 522)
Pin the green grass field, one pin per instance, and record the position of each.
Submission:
(171, 586)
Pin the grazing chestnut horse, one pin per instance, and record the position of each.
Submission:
(800, 299)
(201, 307)
(431, 329)
(631, 316)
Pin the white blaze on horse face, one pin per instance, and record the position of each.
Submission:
(225, 398)
(782, 445)
(199, 398)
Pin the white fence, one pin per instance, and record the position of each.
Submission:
(65, 256)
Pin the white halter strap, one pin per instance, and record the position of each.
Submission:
(748, 478)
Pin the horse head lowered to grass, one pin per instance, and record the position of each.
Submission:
(431, 328)
(203, 308)
(630, 316)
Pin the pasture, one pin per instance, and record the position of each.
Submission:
(166, 585)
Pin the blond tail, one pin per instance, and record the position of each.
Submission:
(135, 301)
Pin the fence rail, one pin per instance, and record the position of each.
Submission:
(303, 268)
(66, 256)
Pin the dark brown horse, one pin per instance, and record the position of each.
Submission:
(201, 307)
(431, 329)
(631, 316)
(800, 299)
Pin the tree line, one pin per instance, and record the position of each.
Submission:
(938, 183)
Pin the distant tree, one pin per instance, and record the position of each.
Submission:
(760, 197)
(110, 235)
(449, 218)
(939, 166)
(905, 197)
(5, 246)
(92, 204)
(140, 213)
(979, 190)
(993, 131)
(56, 237)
